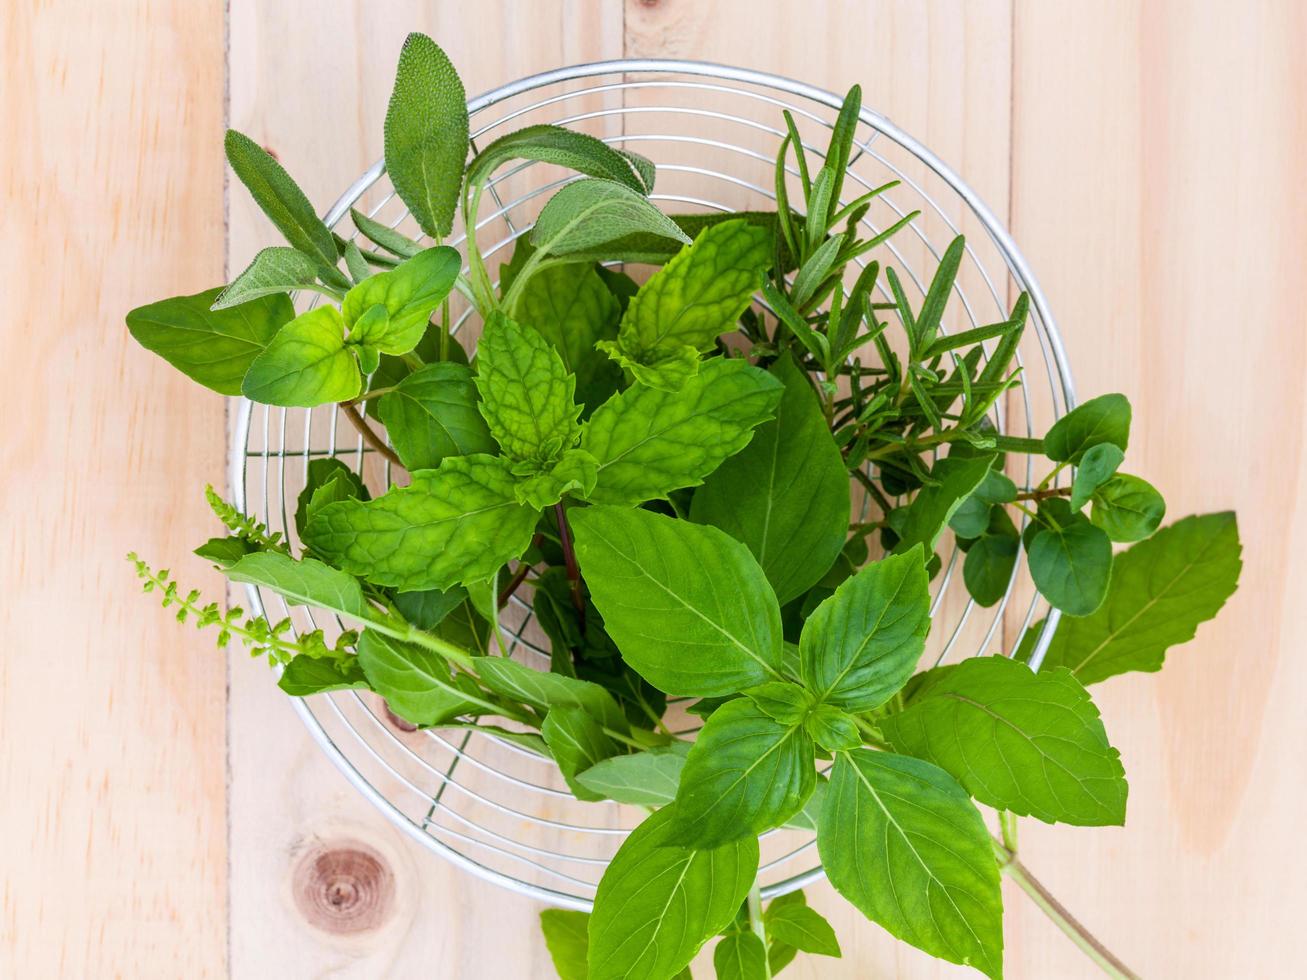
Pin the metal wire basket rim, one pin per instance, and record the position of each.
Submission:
(1012, 257)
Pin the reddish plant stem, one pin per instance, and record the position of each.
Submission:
(519, 576)
(368, 434)
(569, 558)
(1038, 495)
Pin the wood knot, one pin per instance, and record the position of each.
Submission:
(343, 888)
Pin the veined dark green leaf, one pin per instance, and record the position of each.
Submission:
(567, 937)
(432, 413)
(658, 903)
(417, 684)
(649, 442)
(688, 606)
(527, 394)
(1161, 590)
(577, 741)
(426, 134)
(1099, 420)
(1096, 467)
(274, 270)
(1071, 560)
(564, 147)
(972, 517)
(213, 347)
(306, 675)
(428, 609)
(574, 472)
(591, 212)
(903, 842)
(745, 774)
(786, 494)
(990, 560)
(306, 364)
(460, 523)
(861, 645)
(1029, 743)
(934, 506)
(410, 293)
(281, 200)
(327, 480)
(1127, 508)
(740, 956)
(647, 778)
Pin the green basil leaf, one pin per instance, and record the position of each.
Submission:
(688, 606)
(647, 778)
(384, 236)
(306, 364)
(834, 730)
(781, 701)
(563, 147)
(327, 480)
(428, 609)
(1096, 468)
(1105, 419)
(933, 507)
(460, 523)
(861, 645)
(527, 394)
(987, 569)
(658, 903)
(1161, 590)
(1029, 743)
(306, 675)
(426, 134)
(1127, 508)
(417, 684)
(577, 741)
(903, 842)
(305, 583)
(274, 270)
(213, 347)
(972, 518)
(591, 212)
(740, 956)
(281, 200)
(1071, 561)
(745, 774)
(786, 494)
(803, 928)
(225, 551)
(432, 414)
(567, 937)
(410, 293)
(546, 691)
(650, 442)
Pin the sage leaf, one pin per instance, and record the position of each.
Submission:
(564, 147)
(1096, 468)
(457, 524)
(385, 236)
(274, 270)
(282, 201)
(740, 956)
(213, 347)
(567, 936)
(1105, 419)
(355, 262)
(955, 478)
(745, 774)
(426, 134)
(527, 394)
(1029, 743)
(1127, 508)
(417, 684)
(862, 644)
(410, 293)
(647, 778)
(658, 903)
(306, 364)
(903, 842)
(326, 480)
(786, 494)
(1161, 590)
(802, 927)
(306, 675)
(591, 212)
(577, 741)
(1070, 559)
(650, 442)
(432, 413)
(688, 606)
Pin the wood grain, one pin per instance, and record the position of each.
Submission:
(112, 717)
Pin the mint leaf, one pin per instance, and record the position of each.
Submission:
(527, 394)
(417, 684)
(1029, 743)
(688, 606)
(1105, 419)
(786, 494)
(327, 480)
(566, 937)
(891, 828)
(650, 442)
(745, 774)
(426, 134)
(274, 270)
(213, 347)
(802, 927)
(924, 520)
(658, 903)
(1096, 468)
(862, 644)
(460, 523)
(432, 414)
(409, 293)
(588, 213)
(1127, 508)
(1070, 559)
(282, 201)
(667, 369)
(648, 778)
(306, 364)
(577, 741)
(564, 147)
(575, 472)
(305, 675)
(1161, 590)
(740, 956)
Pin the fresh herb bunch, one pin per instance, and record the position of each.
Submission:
(669, 467)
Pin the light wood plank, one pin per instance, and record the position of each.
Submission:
(111, 716)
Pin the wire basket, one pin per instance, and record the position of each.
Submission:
(497, 809)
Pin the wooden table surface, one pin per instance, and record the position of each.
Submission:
(163, 812)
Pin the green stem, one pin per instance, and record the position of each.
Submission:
(625, 739)
(374, 393)
(1007, 822)
(756, 923)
